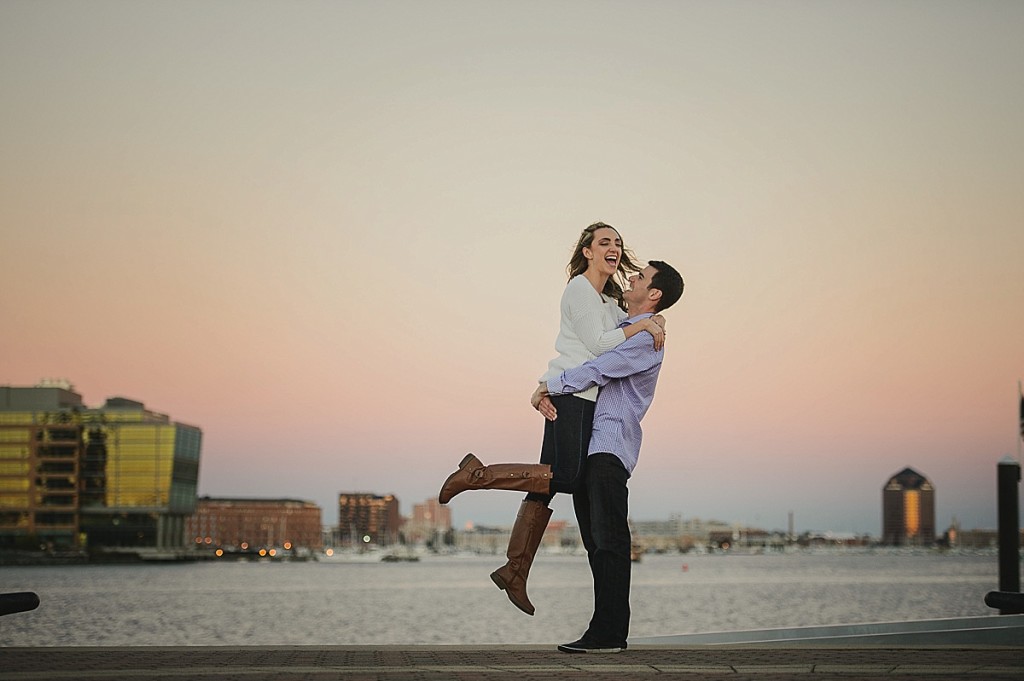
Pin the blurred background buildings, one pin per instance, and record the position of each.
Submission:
(121, 479)
(908, 510)
(74, 477)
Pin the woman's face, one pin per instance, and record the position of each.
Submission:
(604, 252)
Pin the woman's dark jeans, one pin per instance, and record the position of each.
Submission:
(566, 440)
(602, 511)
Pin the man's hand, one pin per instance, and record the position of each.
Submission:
(547, 408)
(542, 402)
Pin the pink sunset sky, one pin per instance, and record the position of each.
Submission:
(333, 236)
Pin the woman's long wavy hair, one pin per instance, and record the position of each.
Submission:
(627, 263)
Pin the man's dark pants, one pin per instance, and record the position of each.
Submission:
(602, 511)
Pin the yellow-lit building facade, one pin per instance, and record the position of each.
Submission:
(75, 477)
(908, 510)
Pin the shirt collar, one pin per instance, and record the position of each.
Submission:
(629, 320)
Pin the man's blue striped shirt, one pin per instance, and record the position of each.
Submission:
(627, 376)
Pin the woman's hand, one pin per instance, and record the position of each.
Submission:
(656, 327)
(542, 402)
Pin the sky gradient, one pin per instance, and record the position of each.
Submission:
(333, 236)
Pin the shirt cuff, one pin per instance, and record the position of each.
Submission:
(555, 386)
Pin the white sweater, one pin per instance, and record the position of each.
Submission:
(588, 328)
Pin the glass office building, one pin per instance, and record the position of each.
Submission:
(72, 476)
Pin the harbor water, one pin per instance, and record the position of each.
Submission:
(450, 600)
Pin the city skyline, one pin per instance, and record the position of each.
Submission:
(333, 236)
(389, 500)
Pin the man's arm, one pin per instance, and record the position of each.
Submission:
(632, 357)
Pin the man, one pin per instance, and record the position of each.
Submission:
(627, 376)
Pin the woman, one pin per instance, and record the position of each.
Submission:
(591, 310)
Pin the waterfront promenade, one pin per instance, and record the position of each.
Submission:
(509, 663)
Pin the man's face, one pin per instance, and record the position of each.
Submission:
(639, 287)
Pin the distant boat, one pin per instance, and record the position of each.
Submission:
(373, 554)
(350, 556)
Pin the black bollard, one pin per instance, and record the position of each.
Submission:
(1009, 527)
(1008, 603)
(21, 601)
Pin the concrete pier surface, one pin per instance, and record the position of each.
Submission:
(511, 663)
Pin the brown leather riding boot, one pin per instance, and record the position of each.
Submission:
(472, 474)
(522, 547)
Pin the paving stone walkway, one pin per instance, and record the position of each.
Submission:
(508, 663)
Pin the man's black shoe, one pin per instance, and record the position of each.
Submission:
(585, 646)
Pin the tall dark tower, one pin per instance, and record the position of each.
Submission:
(908, 510)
